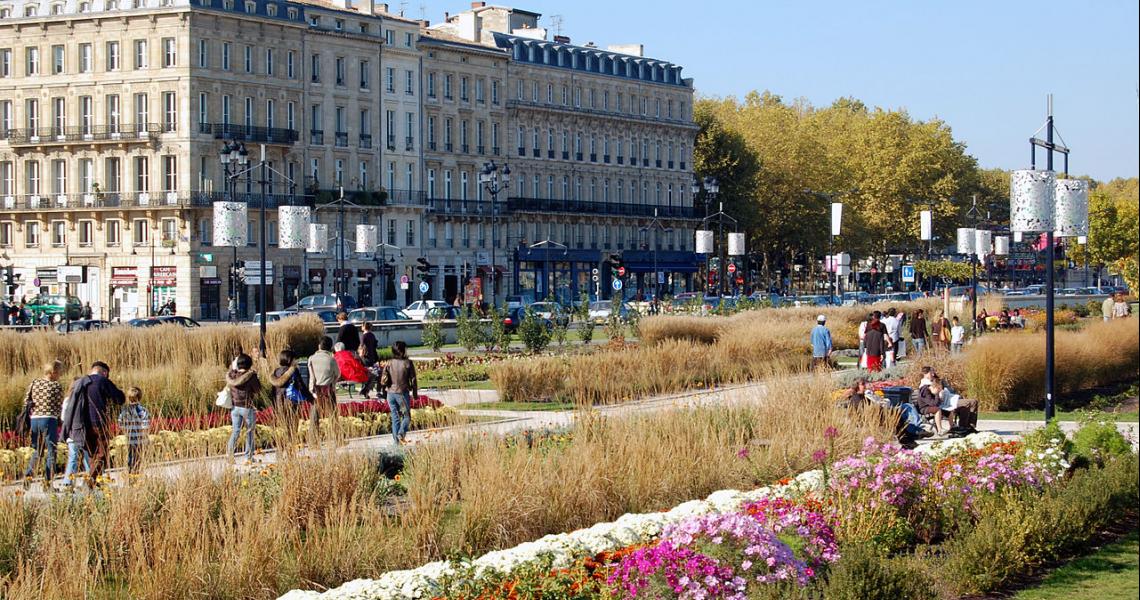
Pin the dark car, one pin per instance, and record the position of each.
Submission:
(144, 323)
(318, 302)
(443, 313)
(327, 316)
(177, 320)
(82, 325)
(515, 318)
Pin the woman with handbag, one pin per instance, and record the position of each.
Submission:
(44, 403)
(245, 394)
(399, 380)
(289, 392)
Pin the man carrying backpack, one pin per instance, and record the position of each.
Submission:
(93, 401)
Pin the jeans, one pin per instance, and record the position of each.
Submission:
(324, 401)
(45, 435)
(74, 449)
(242, 417)
(956, 347)
(919, 345)
(134, 458)
(400, 411)
(911, 417)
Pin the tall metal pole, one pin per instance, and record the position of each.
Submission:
(834, 273)
(720, 242)
(261, 243)
(974, 270)
(494, 240)
(1049, 280)
(338, 281)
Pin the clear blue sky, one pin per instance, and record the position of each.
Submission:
(980, 66)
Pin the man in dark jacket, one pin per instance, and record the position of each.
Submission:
(347, 334)
(876, 343)
(95, 398)
(918, 332)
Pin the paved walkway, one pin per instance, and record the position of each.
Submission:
(503, 422)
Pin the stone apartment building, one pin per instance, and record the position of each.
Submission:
(113, 114)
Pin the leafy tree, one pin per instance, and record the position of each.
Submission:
(533, 332)
(585, 325)
(468, 331)
(433, 334)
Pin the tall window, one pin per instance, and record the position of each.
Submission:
(32, 177)
(6, 62)
(32, 62)
(203, 53)
(269, 61)
(84, 58)
(226, 56)
(58, 177)
(291, 65)
(169, 173)
(142, 174)
(248, 59)
(140, 54)
(114, 232)
(32, 113)
(315, 68)
(86, 118)
(169, 111)
(341, 70)
(114, 56)
(32, 234)
(57, 60)
(203, 108)
(142, 111)
(169, 53)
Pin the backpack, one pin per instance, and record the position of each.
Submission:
(293, 391)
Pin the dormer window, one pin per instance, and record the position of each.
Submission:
(293, 14)
(112, 5)
(339, 25)
(271, 10)
(57, 9)
(5, 13)
(84, 7)
(314, 21)
(251, 7)
(138, 3)
(29, 11)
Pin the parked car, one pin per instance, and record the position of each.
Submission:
(326, 315)
(515, 318)
(378, 313)
(599, 312)
(177, 320)
(514, 302)
(56, 304)
(144, 322)
(418, 309)
(273, 316)
(318, 302)
(82, 325)
(551, 311)
(443, 313)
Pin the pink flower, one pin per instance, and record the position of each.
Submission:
(830, 433)
(819, 456)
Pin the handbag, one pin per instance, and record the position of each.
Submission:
(224, 399)
(293, 391)
(24, 419)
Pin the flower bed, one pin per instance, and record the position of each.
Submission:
(729, 543)
(362, 421)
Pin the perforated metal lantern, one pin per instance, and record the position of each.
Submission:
(293, 226)
(1071, 208)
(1001, 245)
(230, 223)
(736, 244)
(927, 225)
(318, 238)
(1082, 239)
(983, 239)
(1031, 199)
(704, 241)
(1017, 236)
(966, 240)
(367, 238)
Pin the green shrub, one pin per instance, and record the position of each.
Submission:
(862, 573)
(468, 331)
(497, 335)
(433, 334)
(533, 332)
(1098, 439)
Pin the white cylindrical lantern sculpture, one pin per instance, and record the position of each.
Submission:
(1001, 245)
(367, 239)
(983, 238)
(231, 223)
(704, 241)
(1031, 199)
(293, 226)
(1071, 208)
(736, 244)
(1017, 236)
(966, 240)
(836, 217)
(318, 238)
(1082, 239)
(927, 226)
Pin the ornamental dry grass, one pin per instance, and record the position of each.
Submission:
(314, 523)
(178, 369)
(1006, 371)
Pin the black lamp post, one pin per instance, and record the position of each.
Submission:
(712, 191)
(656, 226)
(232, 156)
(494, 180)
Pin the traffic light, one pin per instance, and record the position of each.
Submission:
(424, 266)
(617, 267)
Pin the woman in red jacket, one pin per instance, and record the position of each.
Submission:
(352, 369)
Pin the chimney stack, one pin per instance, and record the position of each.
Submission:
(478, 4)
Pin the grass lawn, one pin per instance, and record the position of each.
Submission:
(551, 406)
(1110, 574)
(456, 385)
(1039, 415)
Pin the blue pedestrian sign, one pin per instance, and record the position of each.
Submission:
(617, 285)
(908, 273)
(424, 287)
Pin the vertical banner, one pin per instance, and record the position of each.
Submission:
(230, 223)
(736, 244)
(927, 226)
(318, 238)
(836, 217)
(292, 226)
(704, 241)
(367, 239)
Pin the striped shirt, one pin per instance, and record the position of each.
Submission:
(134, 420)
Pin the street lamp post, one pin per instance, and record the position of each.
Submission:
(494, 180)
(712, 190)
(836, 221)
(656, 226)
(382, 264)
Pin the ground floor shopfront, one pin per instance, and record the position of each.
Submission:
(566, 274)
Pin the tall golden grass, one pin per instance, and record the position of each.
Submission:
(318, 522)
(178, 369)
(1006, 371)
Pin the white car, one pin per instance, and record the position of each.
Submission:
(418, 309)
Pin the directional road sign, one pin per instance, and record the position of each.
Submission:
(617, 285)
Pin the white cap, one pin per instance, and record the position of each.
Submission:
(821, 318)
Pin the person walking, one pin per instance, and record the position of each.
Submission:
(890, 324)
(134, 421)
(876, 343)
(87, 418)
(399, 381)
(44, 401)
(323, 375)
(918, 332)
(1107, 306)
(957, 337)
(289, 392)
(368, 345)
(821, 343)
(940, 332)
(245, 393)
(87, 312)
(347, 334)
(862, 341)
